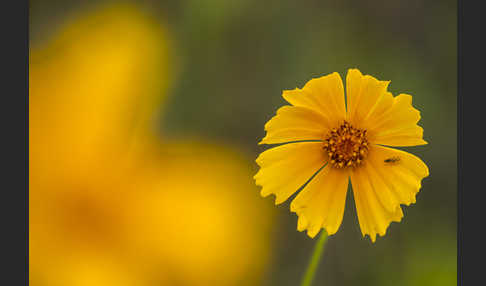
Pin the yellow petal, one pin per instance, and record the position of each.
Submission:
(380, 187)
(363, 92)
(372, 216)
(105, 74)
(324, 95)
(394, 123)
(284, 169)
(403, 177)
(321, 203)
(294, 123)
(186, 199)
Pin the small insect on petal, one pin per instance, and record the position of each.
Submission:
(392, 160)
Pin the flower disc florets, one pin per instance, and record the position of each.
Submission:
(346, 146)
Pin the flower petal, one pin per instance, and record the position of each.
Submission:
(372, 216)
(104, 74)
(363, 92)
(324, 95)
(284, 169)
(321, 203)
(380, 187)
(394, 122)
(404, 177)
(293, 123)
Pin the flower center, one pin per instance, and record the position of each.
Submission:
(346, 146)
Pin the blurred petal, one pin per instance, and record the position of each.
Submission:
(89, 269)
(284, 169)
(96, 85)
(321, 203)
(93, 91)
(199, 213)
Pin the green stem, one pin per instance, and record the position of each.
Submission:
(314, 262)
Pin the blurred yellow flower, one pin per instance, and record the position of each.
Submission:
(111, 205)
(331, 142)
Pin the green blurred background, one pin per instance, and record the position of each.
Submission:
(231, 61)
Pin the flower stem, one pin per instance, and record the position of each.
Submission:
(314, 262)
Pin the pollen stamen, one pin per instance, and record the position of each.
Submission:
(346, 146)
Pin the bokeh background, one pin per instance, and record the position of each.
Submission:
(144, 123)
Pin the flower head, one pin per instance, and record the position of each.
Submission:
(325, 142)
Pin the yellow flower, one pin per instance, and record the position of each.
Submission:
(330, 142)
(109, 204)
